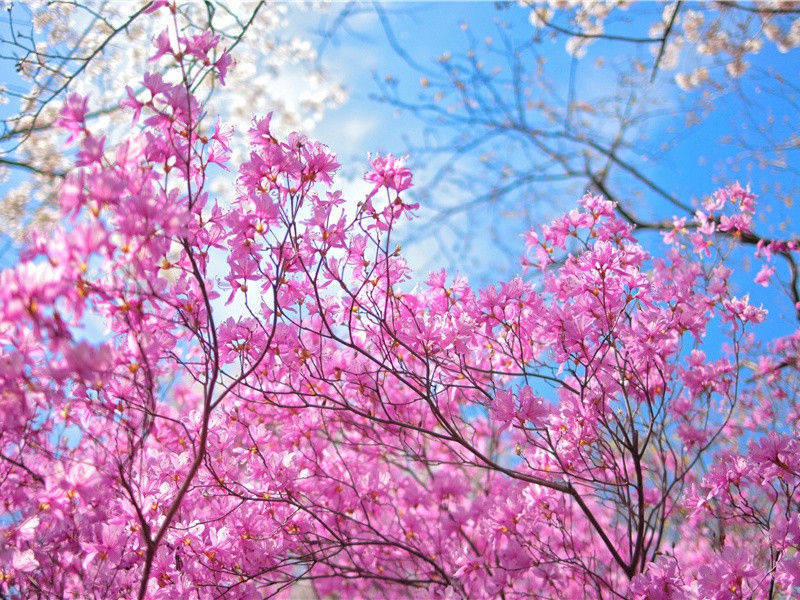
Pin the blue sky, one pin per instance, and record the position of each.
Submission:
(690, 160)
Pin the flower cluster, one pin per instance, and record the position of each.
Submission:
(204, 398)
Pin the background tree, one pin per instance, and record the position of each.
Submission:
(652, 104)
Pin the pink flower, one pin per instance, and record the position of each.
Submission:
(201, 44)
(389, 172)
(155, 84)
(730, 576)
(531, 407)
(91, 150)
(163, 45)
(73, 115)
(764, 275)
(661, 581)
(27, 530)
(223, 63)
(598, 205)
(502, 408)
(156, 4)
(24, 561)
(742, 309)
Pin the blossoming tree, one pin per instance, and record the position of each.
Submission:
(95, 48)
(206, 400)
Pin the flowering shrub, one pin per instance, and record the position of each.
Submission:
(206, 400)
(95, 47)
